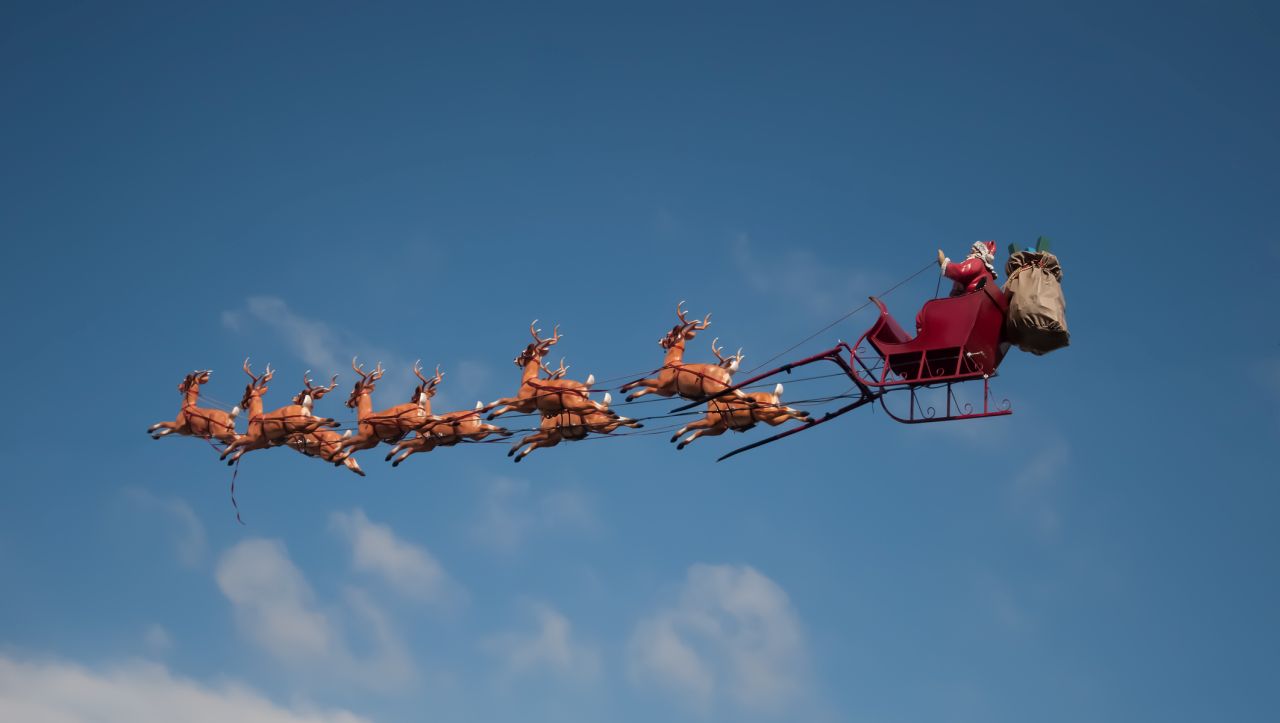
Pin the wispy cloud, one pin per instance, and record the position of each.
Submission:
(549, 648)
(1031, 492)
(732, 633)
(376, 550)
(190, 541)
(61, 692)
(157, 639)
(320, 345)
(277, 611)
(511, 512)
(801, 276)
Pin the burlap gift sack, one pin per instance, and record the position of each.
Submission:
(1037, 319)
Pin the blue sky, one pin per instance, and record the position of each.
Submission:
(300, 183)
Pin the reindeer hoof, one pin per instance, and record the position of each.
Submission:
(680, 446)
(675, 437)
(518, 459)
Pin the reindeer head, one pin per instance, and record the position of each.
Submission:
(539, 347)
(257, 385)
(365, 384)
(731, 362)
(685, 330)
(311, 394)
(194, 380)
(427, 389)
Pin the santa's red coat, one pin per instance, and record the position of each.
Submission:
(967, 274)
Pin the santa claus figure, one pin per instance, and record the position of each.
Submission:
(969, 274)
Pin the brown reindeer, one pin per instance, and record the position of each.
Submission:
(389, 425)
(324, 444)
(551, 395)
(273, 428)
(571, 427)
(740, 415)
(452, 428)
(196, 421)
(691, 381)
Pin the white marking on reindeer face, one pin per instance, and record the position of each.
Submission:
(306, 401)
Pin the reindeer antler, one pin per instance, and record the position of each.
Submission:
(544, 344)
(557, 374)
(358, 369)
(314, 391)
(716, 350)
(249, 371)
(695, 325)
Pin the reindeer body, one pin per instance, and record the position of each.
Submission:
(270, 429)
(691, 381)
(740, 415)
(452, 428)
(389, 425)
(550, 395)
(325, 444)
(570, 427)
(196, 421)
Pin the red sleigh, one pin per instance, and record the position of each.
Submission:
(961, 340)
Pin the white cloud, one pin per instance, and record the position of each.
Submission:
(273, 601)
(58, 692)
(732, 633)
(313, 341)
(511, 512)
(376, 550)
(276, 609)
(191, 542)
(800, 275)
(550, 647)
(320, 345)
(157, 639)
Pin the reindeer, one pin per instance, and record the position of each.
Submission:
(452, 428)
(322, 443)
(551, 395)
(571, 427)
(273, 428)
(195, 421)
(389, 425)
(691, 381)
(740, 415)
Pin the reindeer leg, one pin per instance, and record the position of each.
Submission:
(353, 465)
(651, 386)
(699, 424)
(711, 432)
(158, 425)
